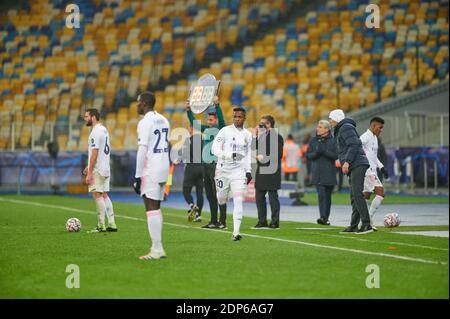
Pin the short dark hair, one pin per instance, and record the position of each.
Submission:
(239, 109)
(212, 114)
(270, 119)
(148, 98)
(94, 112)
(290, 137)
(377, 119)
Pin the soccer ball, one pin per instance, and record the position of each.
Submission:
(73, 225)
(391, 220)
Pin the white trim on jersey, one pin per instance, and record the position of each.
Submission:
(370, 145)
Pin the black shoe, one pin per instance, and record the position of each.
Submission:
(222, 226)
(211, 226)
(236, 238)
(327, 222)
(350, 230)
(260, 226)
(274, 226)
(320, 221)
(111, 229)
(365, 230)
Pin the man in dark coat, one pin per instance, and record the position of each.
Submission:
(322, 154)
(269, 150)
(354, 164)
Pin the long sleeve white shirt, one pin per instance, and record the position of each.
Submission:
(370, 145)
(231, 140)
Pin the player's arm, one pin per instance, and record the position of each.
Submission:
(192, 118)
(91, 165)
(218, 146)
(248, 159)
(219, 113)
(95, 144)
(143, 138)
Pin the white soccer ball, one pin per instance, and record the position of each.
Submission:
(73, 225)
(391, 220)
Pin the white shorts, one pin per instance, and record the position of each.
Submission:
(371, 181)
(100, 185)
(152, 190)
(226, 183)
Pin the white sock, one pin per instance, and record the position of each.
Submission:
(154, 222)
(237, 214)
(109, 210)
(101, 210)
(375, 204)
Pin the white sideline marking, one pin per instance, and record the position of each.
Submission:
(385, 242)
(357, 251)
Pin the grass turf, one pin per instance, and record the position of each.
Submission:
(203, 263)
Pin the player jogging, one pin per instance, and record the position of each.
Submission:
(98, 170)
(152, 168)
(232, 146)
(372, 183)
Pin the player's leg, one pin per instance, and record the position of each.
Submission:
(96, 189)
(376, 202)
(109, 207)
(210, 189)
(199, 192)
(153, 194)
(222, 189)
(238, 187)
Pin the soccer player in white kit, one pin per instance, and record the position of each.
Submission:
(152, 168)
(372, 183)
(232, 146)
(98, 170)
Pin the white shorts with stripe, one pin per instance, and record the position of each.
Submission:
(371, 181)
(151, 189)
(100, 184)
(226, 183)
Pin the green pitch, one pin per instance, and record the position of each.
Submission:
(284, 263)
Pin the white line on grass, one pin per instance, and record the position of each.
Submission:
(357, 251)
(383, 242)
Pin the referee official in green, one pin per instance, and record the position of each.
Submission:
(215, 121)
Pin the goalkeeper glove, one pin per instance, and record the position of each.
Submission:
(137, 185)
(384, 172)
(249, 177)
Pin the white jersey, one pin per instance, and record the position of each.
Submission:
(370, 145)
(231, 140)
(99, 139)
(153, 132)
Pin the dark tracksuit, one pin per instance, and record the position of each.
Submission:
(193, 172)
(322, 153)
(268, 182)
(350, 150)
(209, 161)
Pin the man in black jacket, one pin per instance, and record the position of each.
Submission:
(269, 150)
(354, 164)
(322, 154)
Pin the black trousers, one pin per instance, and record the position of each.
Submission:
(261, 206)
(209, 171)
(287, 176)
(324, 192)
(360, 212)
(193, 176)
